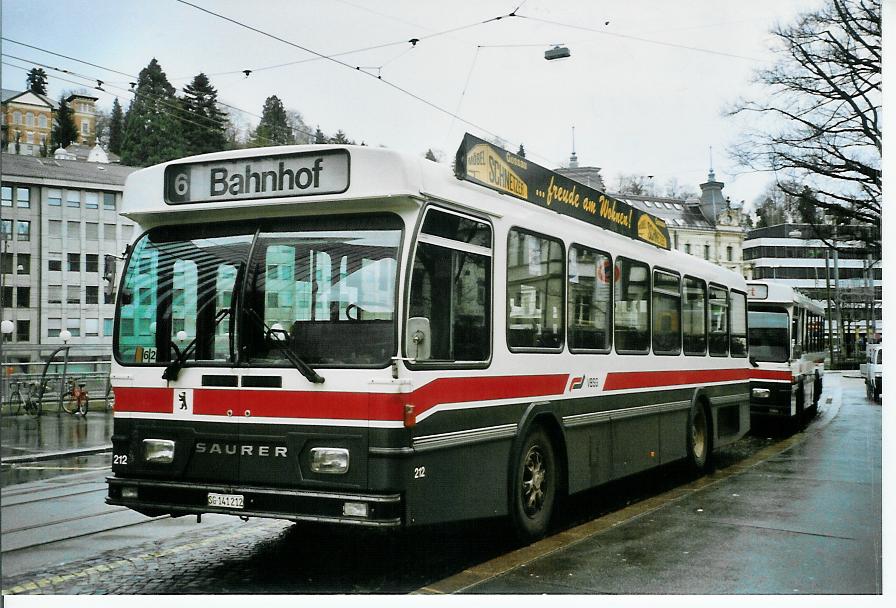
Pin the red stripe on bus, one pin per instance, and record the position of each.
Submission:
(373, 406)
(155, 400)
(770, 374)
(626, 380)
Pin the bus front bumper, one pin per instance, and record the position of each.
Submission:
(770, 399)
(154, 498)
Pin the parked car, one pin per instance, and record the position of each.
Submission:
(871, 371)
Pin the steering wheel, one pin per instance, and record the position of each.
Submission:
(348, 312)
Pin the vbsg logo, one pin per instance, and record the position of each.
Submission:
(177, 184)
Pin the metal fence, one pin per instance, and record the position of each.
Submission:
(23, 380)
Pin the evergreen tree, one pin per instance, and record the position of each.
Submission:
(205, 125)
(64, 129)
(431, 156)
(521, 152)
(340, 138)
(152, 131)
(319, 137)
(116, 125)
(37, 81)
(273, 128)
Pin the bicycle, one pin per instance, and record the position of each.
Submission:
(31, 405)
(77, 402)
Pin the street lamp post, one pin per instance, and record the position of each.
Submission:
(6, 328)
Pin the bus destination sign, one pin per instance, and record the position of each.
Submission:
(487, 165)
(272, 176)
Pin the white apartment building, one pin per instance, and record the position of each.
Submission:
(62, 242)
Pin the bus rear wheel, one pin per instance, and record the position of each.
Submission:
(533, 487)
(699, 438)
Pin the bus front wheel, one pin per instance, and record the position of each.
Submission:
(534, 486)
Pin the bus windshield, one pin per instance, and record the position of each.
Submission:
(769, 335)
(323, 288)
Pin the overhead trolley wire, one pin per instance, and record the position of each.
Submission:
(173, 105)
(358, 69)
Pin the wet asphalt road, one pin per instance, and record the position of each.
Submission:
(663, 534)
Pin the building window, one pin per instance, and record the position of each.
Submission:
(108, 324)
(29, 137)
(54, 263)
(16, 118)
(109, 201)
(127, 233)
(85, 127)
(73, 294)
(729, 253)
(74, 262)
(6, 263)
(687, 248)
(23, 197)
(706, 252)
(54, 327)
(23, 263)
(23, 297)
(29, 119)
(6, 297)
(54, 294)
(42, 121)
(91, 262)
(24, 230)
(72, 198)
(92, 295)
(109, 232)
(6, 230)
(91, 231)
(74, 326)
(23, 331)
(54, 198)
(54, 229)
(6, 199)
(91, 327)
(91, 200)
(74, 230)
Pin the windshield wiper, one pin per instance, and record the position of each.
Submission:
(173, 370)
(305, 369)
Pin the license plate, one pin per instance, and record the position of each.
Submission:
(233, 501)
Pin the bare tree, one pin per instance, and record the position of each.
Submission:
(819, 127)
(639, 185)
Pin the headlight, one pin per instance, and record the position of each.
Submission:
(761, 393)
(158, 450)
(329, 460)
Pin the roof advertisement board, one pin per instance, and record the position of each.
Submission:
(485, 164)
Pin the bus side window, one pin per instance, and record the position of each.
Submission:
(694, 317)
(718, 321)
(631, 314)
(451, 287)
(588, 313)
(738, 311)
(666, 313)
(534, 291)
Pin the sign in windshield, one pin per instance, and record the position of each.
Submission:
(283, 175)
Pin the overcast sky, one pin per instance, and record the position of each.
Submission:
(640, 102)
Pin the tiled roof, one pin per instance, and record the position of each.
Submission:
(19, 165)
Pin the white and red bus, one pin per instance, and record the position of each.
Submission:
(787, 342)
(351, 335)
